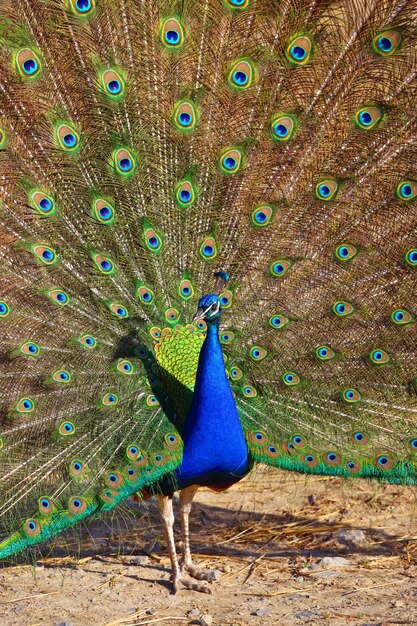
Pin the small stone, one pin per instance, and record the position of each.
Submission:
(304, 614)
(299, 579)
(194, 612)
(350, 536)
(333, 561)
(140, 560)
(327, 574)
(150, 612)
(206, 620)
(64, 624)
(261, 612)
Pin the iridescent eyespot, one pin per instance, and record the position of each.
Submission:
(172, 33)
(25, 405)
(185, 193)
(412, 444)
(145, 295)
(133, 452)
(331, 458)
(186, 289)
(43, 203)
(324, 353)
(298, 441)
(241, 74)
(153, 240)
(172, 441)
(351, 395)
(237, 4)
(152, 401)
(231, 160)
(82, 8)
(277, 320)
(31, 528)
(353, 467)
(77, 505)
(109, 399)
(76, 468)
(226, 299)
(290, 379)
(387, 42)
(113, 84)
(58, 296)
(384, 462)
(124, 162)
(29, 348)
(208, 249)
(66, 429)
(125, 367)
(310, 460)
(61, 376)
(280, 267)
(28, 63)
(249, 391)
(346, 252)
(262, 215)
(283, 127)
(359, 438)
(103, 211)
(258, 437)
(379, 356)
(327, 189)
(118, 310)
(87, 341)
(201, 325)
(227, 336)
(45, 505)
(67, 137)
(172, 315)
(368, 117)
(236, 373)
(185, 115)
(114, 480)
(155, 332)
(299, 50)
(45, 254)
(342, 308)
(407, 190)
(401, 317)
(257, 353)
(4, 309)
(411, 257)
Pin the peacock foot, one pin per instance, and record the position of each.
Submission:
(178, 582)
(199, 573)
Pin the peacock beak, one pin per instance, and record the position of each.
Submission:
(199, 315)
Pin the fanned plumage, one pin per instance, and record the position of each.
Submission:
(145, 144)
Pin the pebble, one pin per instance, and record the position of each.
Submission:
(333, 561)
(194, 612)
(261, 612)
(303, 614)
(150, 612)
(139, 560)
(206, 620)
(64, 624)
(350, 536)
(328, 574)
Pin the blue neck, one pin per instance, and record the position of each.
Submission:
(215, 450)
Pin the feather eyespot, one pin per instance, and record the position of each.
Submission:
(152, 401)
(401, 317)
(87, 342)
(236, 373)
(387, 42)
(257, 353)
(77, 505)
(298, 441)
(342, 308)
(153, 241)
(82, 8)
(208, 249)
(66, 429)
(231, 160)
(258, 437)
(298, 51)
(28, 63)
(237, 4)
(249, 391)
(29, 348)
(42, 202)
(412, 444)
(359, 438)
(327, 189)
(118, 310)
(262, 215)
(384, 462)
(290, 379)
(280, 268)
(227, 337)
(407, 190)
(185, 193)
(4, 309)
(310, 460)
(25, 405)
(351, 395)
(124, 161)
(103, 211)
(114, 480)
(172, 315)
(155, 332)
(346, 252)
(185, 115)
(241, 74)
(125, 367)
(379, 356)
(324, 353)
(58, 296)
(61, 376)
(172, 441)
(368, 117)
(45, 505)
(172, 33)
(67, 137)
(277, 320)
(186, 289)
(109, 399)
(113, 84)
(283, 127)
(353, 467)
(76, 469)
(45, 254)
(331, 458)
(145, 295)
(32, 528)
(411, 257)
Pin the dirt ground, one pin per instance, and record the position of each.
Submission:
(267, 537)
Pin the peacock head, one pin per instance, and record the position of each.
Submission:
(209, 305)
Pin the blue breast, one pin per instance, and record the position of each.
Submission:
(215, 450)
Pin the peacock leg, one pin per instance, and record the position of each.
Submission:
(186, 498)
(167, 516)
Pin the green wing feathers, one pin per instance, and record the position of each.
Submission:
(144, 145)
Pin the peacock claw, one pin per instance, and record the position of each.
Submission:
(199, 573)
(185, 583)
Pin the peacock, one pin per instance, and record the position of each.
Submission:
(208, 252)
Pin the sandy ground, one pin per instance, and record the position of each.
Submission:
(267, 537)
